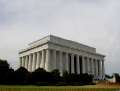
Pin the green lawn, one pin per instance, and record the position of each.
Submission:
(55, 88)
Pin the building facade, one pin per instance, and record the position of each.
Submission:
(52, 52)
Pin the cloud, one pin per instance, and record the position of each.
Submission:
(92, 22)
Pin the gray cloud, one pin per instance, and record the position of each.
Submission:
(92, 22)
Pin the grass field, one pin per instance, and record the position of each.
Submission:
(57, 88)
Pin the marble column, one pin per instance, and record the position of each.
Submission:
(83, 65)
(92, 63)
(88, 64)
(48, 65)
(20, 61)
(99, 68)
(30, 63)
(54, 60)
(61, 63)
(78, 64)
(72, 63)
(38, 60)
(27, 60)
(57, 60)
(42, 64)
(66, 62)
(24, 61)
(33, 62)
(103, 70)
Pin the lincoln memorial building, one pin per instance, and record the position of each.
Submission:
(52, 52)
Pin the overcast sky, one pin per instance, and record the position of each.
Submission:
(92, 22)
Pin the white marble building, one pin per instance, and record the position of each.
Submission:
(52, 52)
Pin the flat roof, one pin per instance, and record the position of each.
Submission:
(60, 41)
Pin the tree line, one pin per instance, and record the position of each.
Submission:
(22, 76)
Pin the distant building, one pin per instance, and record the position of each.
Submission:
(52, 52)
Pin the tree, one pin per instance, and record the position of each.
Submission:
(55, 74)
(21, 76)
(9, 78)
(4, 68)
(66, 76)
(39, 75)
(77, 79)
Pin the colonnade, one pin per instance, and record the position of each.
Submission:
(73, 63)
